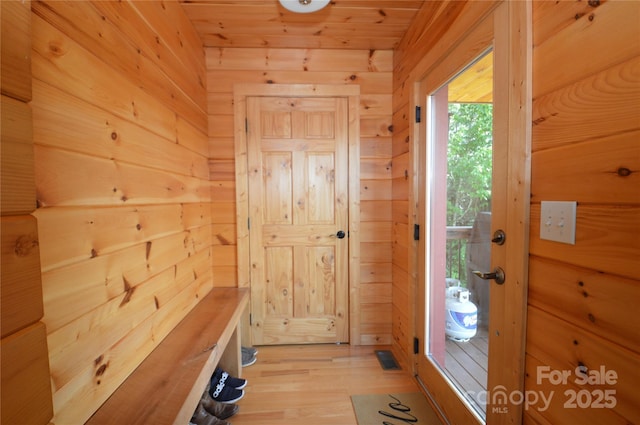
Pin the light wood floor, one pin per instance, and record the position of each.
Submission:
(313, 384)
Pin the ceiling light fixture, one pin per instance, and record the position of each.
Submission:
(304, 6)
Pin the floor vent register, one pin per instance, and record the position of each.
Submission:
(386, 359)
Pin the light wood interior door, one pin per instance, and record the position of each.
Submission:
(298, 213)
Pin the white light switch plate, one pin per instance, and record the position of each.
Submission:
(558, 221)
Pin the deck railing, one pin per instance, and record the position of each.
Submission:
(457, 238)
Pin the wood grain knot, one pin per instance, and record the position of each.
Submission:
(624, 172)
(55, 49)
(102, 369)
(24, 245)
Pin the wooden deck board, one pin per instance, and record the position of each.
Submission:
(466, 365)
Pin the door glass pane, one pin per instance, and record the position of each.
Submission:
(459, 208)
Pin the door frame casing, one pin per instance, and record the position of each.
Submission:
(507, 27)
(352, 93)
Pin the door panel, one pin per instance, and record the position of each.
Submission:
(298, 186)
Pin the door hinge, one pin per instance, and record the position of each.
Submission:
(246, 125)
(418, 112)
(249, 223)
(416, 345)
(416, 232)
(250, 319)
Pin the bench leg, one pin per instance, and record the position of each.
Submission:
(231, 359)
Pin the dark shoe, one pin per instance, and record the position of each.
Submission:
(220, 375)
(202, 417)
(223, 391)
(217, 409)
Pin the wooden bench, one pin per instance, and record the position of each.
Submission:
(168, 384)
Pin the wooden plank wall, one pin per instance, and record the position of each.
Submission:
(25, 387)
(371, 70)
(122, 180)
(586, 148)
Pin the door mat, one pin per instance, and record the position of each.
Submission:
(394, 409)
(386, 359)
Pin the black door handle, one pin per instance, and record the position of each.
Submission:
(340, 234)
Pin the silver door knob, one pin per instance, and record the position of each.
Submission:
(497, 275)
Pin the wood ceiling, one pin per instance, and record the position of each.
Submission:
(343, 24)
(475, 84)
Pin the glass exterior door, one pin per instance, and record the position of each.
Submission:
(460, 144)
(472, 153)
